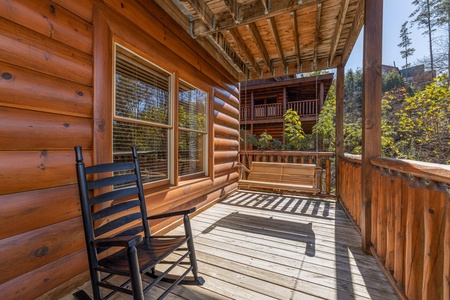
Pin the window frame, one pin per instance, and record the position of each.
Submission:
(132, 55)
(206, 133)
(174, 179)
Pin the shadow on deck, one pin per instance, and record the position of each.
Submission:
(269, 246)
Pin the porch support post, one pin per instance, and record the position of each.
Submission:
(371, 106)
(284, 109)
(339, 124)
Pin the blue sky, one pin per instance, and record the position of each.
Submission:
(395, 13)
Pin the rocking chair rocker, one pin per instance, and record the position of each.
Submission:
(117, 233)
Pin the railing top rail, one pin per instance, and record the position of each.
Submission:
(292, 153)
(436, 172)
(354, 158)
(270, 104)
(306, 100)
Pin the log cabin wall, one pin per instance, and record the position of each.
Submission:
(56, 89)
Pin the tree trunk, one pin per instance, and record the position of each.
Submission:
(429, 35)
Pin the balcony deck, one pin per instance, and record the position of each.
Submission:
(271, 246)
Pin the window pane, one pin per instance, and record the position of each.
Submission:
(190, 152)
(142, 92)
(151, 143)
(192, 108)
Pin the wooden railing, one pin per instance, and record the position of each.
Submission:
(320, 159)
(303, 108)
(275, 110)
(268, 111)
(349, 185)
(410, 222)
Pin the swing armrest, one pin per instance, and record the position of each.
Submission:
(241, 165)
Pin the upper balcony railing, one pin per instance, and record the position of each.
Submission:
(275, 110)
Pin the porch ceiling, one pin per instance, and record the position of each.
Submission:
(263, 38)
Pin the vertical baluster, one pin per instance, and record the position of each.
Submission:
(414, 246)
(434, 230)
(401, 208)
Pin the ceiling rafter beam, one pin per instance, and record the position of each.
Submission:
(316, 38)
(296, 40)
(353, 34)
(233, 8)
(253, 12)
(274, 31)
(261, 47)
(224, 47)
(338, 29)
(204, 12)
(266, 5)
(244, 48)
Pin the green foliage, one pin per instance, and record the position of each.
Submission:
(264, 142)
(392, 80)
(293, 131)
(326, 124)
(424, 123)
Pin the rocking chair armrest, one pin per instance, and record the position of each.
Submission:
(172, 214)
(118, 241)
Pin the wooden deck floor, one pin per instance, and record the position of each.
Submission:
(269, 246)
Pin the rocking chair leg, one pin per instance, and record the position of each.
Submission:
(136, 282)
(81, 295)
(192, 256)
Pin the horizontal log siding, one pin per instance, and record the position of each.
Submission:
(26, 89)
(47, 107)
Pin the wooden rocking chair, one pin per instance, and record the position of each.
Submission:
(117, 232)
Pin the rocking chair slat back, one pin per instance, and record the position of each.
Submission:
(115, 219)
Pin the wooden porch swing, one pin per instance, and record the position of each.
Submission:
(278, 177)
(302, 178)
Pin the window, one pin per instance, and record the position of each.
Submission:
(192, 134)
(142, 114)
(143, 117)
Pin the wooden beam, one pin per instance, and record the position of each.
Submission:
(204, 13)
(274, 30)
(266, 4)
(261, 47)
(338, 29)
(222, 45)
(339, 149)
(296, 40)
(233, 8)
(252, 12)
(358, 22)
(243, 46)
(371, 108)
(316, 38)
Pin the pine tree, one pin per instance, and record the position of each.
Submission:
(405, 44)
(423, 18)
(442, 15)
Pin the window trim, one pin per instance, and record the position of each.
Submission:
(174, 179)
(170, 126)
(206, 172)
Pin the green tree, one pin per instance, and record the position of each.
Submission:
(442, 14)
(423, 18)
(293, 131)
(326, 123)
(424, 123)
(392, 80)
(405, 44)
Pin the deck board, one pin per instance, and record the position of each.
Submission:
(269, 246)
